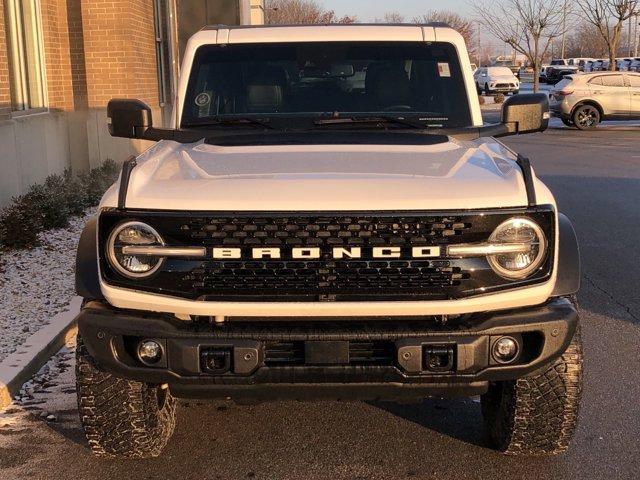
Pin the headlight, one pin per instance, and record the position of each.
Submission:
(523, 261)
(133, 234)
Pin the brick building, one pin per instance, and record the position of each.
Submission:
(61, 61)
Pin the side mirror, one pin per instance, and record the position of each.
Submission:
(129, 118)
(526, 113)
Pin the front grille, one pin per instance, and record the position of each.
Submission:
(325, 278)
(504, 85)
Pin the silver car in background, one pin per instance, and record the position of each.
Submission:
(584, 100)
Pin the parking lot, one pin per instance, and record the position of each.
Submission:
(596, 179)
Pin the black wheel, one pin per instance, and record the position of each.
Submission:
(121, 418)
(478, 89)
(586, 117)
(567, 122)
(486, 89)
(537, 414)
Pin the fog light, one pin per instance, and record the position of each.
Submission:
(149, 352)
(505, 350)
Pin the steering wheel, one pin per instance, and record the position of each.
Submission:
(398, 108)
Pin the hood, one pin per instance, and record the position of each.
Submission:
(442, 176)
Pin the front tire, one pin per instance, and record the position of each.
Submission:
(567, 122)
(586, 117)
(537, 414)
(486, 89)
(121, 418)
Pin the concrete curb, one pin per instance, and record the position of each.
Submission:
(21, 365)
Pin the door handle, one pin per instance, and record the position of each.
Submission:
(597, 92)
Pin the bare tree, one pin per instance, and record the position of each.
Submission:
(463, 26)
(295, 12)
(527, 26)
(608, 16)
(390, 17)
(584, 41)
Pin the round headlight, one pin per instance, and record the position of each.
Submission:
(133, 234)
(518, 264)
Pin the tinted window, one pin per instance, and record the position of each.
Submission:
(612, 81)
(419, 80)
(596, 81)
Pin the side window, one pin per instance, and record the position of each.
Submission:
(23, 24)
(634, 81)
(612, 81)
(596, 81)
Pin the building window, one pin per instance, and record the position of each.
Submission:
(24, 35)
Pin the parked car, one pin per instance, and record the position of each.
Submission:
(559, 62)
(496, 80)
(543, 74)
(579, 62)
(605, 66)
(635, 65)
(555, 73)
(588, 66)
(597, 65)
(587, 99)
(622, 64)
(474, 67)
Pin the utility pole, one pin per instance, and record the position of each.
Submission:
(635, 37)
(630, 49)
(564, 28)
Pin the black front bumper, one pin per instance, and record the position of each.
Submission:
(346, 359)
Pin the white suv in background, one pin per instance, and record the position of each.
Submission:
(496, 80)
(585, 100)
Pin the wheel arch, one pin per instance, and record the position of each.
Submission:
(593, 103)
(87, 275)
(569, 267)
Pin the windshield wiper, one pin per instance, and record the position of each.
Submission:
(378, 119)
(241, 121)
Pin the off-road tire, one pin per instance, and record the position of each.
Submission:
(121, 418)
(537, 414)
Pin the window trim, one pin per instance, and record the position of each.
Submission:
(21, 101)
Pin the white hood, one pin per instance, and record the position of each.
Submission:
(450, 175)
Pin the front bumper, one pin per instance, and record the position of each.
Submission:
(346, 359)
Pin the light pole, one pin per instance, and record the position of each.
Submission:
(564, 28)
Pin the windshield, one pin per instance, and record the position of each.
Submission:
(418, 81)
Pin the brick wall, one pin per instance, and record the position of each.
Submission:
(5, 93)
(55, 32)
(119, 47)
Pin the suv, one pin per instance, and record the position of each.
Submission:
(587, 99)
(328, 218)
(496, 80)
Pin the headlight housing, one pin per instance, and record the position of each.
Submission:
(518, 264)
(133, 234)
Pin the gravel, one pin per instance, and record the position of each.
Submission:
(37, 284)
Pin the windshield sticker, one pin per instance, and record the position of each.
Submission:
(203, 99)
(443, 69)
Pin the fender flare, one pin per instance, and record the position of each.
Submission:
(568, 278)
(87, 275)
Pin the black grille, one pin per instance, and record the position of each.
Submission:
(360, 353)
(325, 278)
(324, 231)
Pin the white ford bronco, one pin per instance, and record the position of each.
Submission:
(328, 218)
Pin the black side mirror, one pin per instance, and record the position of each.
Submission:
(129, 118)
(526, 113)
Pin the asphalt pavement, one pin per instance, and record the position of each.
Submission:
(596, 179)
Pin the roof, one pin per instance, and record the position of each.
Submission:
(343, 25)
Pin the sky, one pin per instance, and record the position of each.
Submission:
(369, 10)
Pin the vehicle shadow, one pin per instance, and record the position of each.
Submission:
(458, 418)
